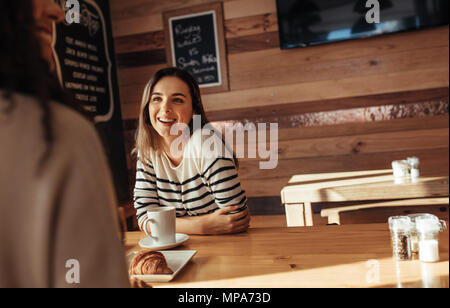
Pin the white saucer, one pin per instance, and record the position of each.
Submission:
(147, 242)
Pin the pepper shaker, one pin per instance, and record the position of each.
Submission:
(400, 227)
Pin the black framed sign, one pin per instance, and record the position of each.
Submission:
(195, 42)
(85, 65)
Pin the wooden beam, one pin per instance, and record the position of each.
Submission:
(277, 110)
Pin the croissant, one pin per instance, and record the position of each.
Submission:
(149, 263)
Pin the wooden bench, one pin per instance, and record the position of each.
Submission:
(333, 213)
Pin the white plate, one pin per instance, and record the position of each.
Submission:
(148, 242)
(176, 261)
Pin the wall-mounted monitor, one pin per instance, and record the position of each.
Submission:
(305, 23)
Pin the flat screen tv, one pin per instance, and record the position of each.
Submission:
(305, 23)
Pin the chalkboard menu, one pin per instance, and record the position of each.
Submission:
(196, 43)
(84, 56)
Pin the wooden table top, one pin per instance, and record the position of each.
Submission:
(361, 185)
(357, 255)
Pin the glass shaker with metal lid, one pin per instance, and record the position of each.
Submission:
(400, 227)
(428, 228)
(414, 235)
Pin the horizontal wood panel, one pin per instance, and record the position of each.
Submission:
(137, 77)
(242, 8)
(438, 123)
(251, 25)
(137, 24)
(260, 183)
(233, 8)
(377, 56)
(273, 73)
(387, 44)
(330, 104)
(253, 43)
(141, 58)
(140, 42)
(132, 9)
(131, 109)
(349, 129)
(355, 144)
(329, 89)
(140, 16)
(432, 160)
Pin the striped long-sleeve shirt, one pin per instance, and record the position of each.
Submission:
(199, 185)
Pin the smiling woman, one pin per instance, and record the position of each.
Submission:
(205, 190)
(170, 103)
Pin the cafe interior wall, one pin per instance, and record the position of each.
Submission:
(346, 106)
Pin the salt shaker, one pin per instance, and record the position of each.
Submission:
(400, 169)
(428, 229)
(413, 167)
(400, 227)
(414, 234)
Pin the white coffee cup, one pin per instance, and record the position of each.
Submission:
(162, 225)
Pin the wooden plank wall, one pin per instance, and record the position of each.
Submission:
(266, 82)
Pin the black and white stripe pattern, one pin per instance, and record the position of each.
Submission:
(196, 187)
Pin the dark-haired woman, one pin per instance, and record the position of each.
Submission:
(57, 203)
(184, 165)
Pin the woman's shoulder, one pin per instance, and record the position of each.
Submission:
(73, 137)
(64, 120)
(71, 121)
(208, 143)
(146, 160)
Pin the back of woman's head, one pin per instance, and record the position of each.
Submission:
(23, 68)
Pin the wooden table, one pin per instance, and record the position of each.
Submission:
(303, 190)
(320, 256)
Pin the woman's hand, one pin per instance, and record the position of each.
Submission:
(222, 222)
